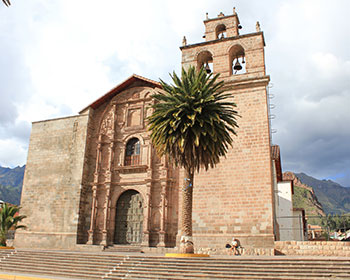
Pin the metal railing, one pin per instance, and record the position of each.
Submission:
(334, 227)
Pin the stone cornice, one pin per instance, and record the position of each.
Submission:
(223, 40)
(246, 83)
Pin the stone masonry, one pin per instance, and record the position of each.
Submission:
(236, 198)
(52, 183)
(95, 179)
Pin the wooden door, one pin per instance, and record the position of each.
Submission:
(129, 218)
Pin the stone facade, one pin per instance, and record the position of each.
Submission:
(88, 170)
(108, 175)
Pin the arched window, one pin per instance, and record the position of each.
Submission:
(205, 59)
(237, 60)
(132, 152)
(220, 31)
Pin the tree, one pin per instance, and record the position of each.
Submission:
(6, 2)
(9, 219)
(192, 123)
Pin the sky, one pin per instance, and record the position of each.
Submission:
(58, 56)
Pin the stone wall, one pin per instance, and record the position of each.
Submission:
(52, 183)
(235, 199)
(313, 248)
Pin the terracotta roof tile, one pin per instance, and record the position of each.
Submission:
(133, 78)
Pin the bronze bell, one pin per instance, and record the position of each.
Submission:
(207, 68)
(237, 66)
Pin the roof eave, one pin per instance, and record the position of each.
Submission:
(133, 78)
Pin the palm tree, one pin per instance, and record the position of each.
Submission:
(6, 2)
(192, 123)
(9, 219)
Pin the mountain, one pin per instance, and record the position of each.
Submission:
(11, 181)
(333, 197)
(304, 197)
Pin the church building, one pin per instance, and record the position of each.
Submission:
(94, 180)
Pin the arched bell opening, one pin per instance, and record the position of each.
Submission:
(220, 31)
(129, 218)
(237, 60)
(205, 59)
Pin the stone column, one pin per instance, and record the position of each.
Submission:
(106, 215)
(108, 176)
(108, 181)
(163, 215)
(93, 214)
(94, 194)
(147, 213)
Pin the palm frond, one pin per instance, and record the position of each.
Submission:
(9, 219)
(193, 119)
(6, 2)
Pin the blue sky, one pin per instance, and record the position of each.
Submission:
(58, 56)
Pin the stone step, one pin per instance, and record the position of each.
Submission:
(58, 266)
(237, 266)
(68, 254)
(230, 263)
(234, 268)
(82, 262)
(202, 260)
(61, 272)
(174, 263)
(5, 253)
(243, 260)
(271, 271)
(215, 278)
(117, 266)
(148, 265)
(123, 248)
(132, 274)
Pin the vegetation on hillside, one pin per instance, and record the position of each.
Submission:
(336, 222)
(303, 198)
(10, 194)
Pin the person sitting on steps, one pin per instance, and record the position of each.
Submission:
(234, 247)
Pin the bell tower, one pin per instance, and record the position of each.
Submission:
(236, 197)
(225, 51)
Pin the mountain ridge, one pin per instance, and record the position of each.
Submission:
(334, 198)
(11, 182)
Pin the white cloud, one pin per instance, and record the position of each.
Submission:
(59, 56)
(13, 153)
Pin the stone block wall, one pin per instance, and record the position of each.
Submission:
(313, 248)
(235, 198)
(52, 183)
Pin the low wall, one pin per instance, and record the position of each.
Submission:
(313, 248)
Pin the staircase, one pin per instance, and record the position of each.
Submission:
(124, 248)
(78, 265)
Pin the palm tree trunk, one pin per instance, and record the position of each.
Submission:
(186, 245)
(3, 239)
